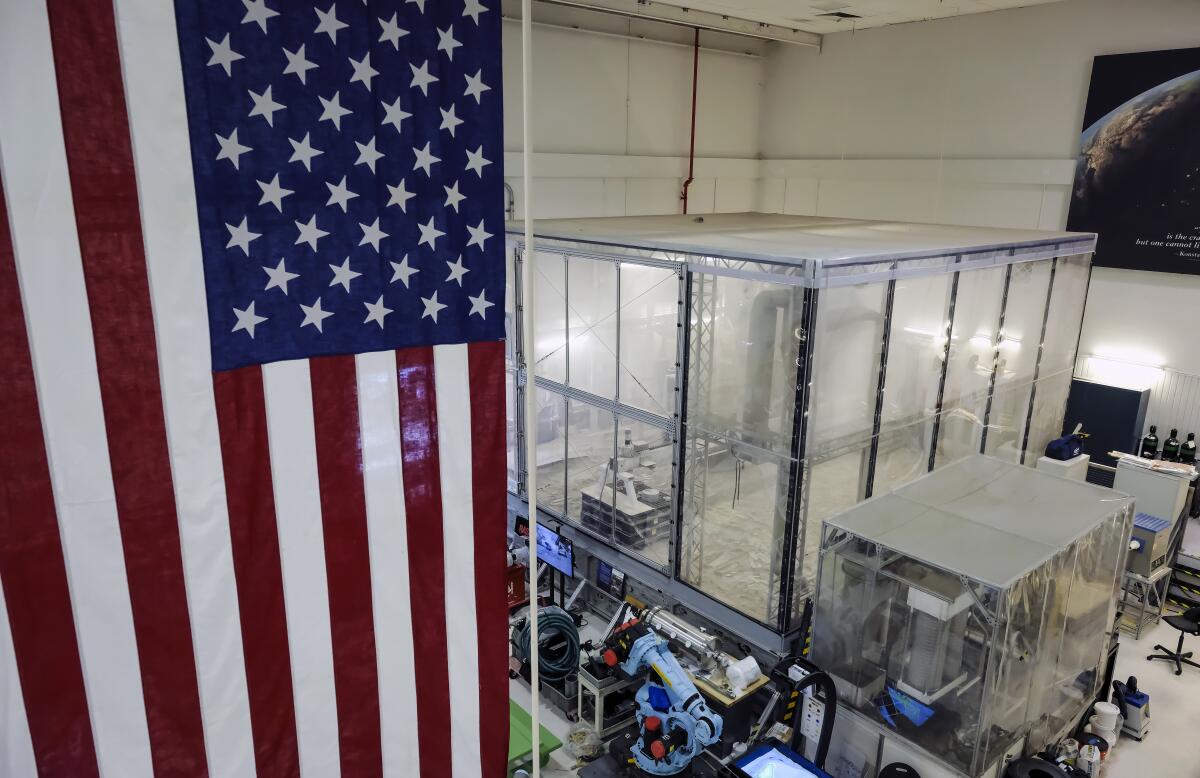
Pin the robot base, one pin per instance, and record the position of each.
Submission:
(618, 762)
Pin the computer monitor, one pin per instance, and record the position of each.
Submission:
(610, 580)
(556, 551)
(772, 759)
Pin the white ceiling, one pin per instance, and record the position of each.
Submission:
(806, 14)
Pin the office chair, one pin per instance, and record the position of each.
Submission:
(1188, 623)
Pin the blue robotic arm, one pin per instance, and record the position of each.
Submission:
(675, 721)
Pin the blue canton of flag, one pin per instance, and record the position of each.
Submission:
(348, 169)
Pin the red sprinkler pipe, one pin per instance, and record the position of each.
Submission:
(692, 149)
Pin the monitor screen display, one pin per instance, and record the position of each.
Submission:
(610, 580)
(555, 550)
(777, 761)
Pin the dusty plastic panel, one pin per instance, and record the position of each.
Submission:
(971, 607)
(709, 390)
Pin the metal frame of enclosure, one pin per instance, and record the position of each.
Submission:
(708, 391)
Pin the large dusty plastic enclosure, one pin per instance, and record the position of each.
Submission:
(972, 607)
(709, 389)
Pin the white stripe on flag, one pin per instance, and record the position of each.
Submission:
(383, 483)
(452, 379)
(16, 747)
(46, 244)
(161, 148)
(290, 428)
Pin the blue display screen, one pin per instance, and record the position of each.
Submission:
(556, 551)
(777, 761)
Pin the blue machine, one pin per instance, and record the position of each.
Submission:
(674, 721)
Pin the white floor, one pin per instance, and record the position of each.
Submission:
(1172, 749)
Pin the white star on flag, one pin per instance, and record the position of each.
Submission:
(231, 149)
(241, 236)
(247, 319)
(257, 12)
(264, 105)
(480, 304)
(273, 193)
(446, 42)
(363, 71)
(421, 78)
(424, 159)
(432, 306)
(402, 272)
(420, 4)
(478, 235)
(429, 233)
(372, 234)
(314, 315)
(376, 312)
(310, 233)
(303, 152)
(473, 9)
(297, 64)
(339, 194)
(392, 32)
(450, 120)
(332, 110)
(475, 86)
(329, 23)
(223, 54)
(400, 196)
(278, 277)
(476, 162)
(453, 196)
(394, 115)
(367, 155)
(457, 271)
(342, 274)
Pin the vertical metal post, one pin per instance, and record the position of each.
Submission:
(617, 373)
(676, 549)
(880, 387)
(521, 378)
(530, 410)
(941, 395)
(697, 369)
(1037, 367)
(987, 413)
(795, 515)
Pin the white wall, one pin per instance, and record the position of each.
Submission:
(973, 120)
(612, 115)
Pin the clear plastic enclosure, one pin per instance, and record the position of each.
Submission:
(710, 390)
(971, 607)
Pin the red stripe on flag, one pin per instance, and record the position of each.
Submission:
(104, 188)
(32, 569)
(347, 563)
(426, 560)
(254, 536)
(489, 489)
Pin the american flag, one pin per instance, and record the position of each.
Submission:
(252, 485)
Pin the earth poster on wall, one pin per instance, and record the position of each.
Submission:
(1137, 182)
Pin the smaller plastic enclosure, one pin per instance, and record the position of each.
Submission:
(971, 607)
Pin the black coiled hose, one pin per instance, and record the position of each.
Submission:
(558, 643)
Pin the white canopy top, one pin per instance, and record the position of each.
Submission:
(784, 239)
(984, 518)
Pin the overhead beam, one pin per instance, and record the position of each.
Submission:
(690, 17)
